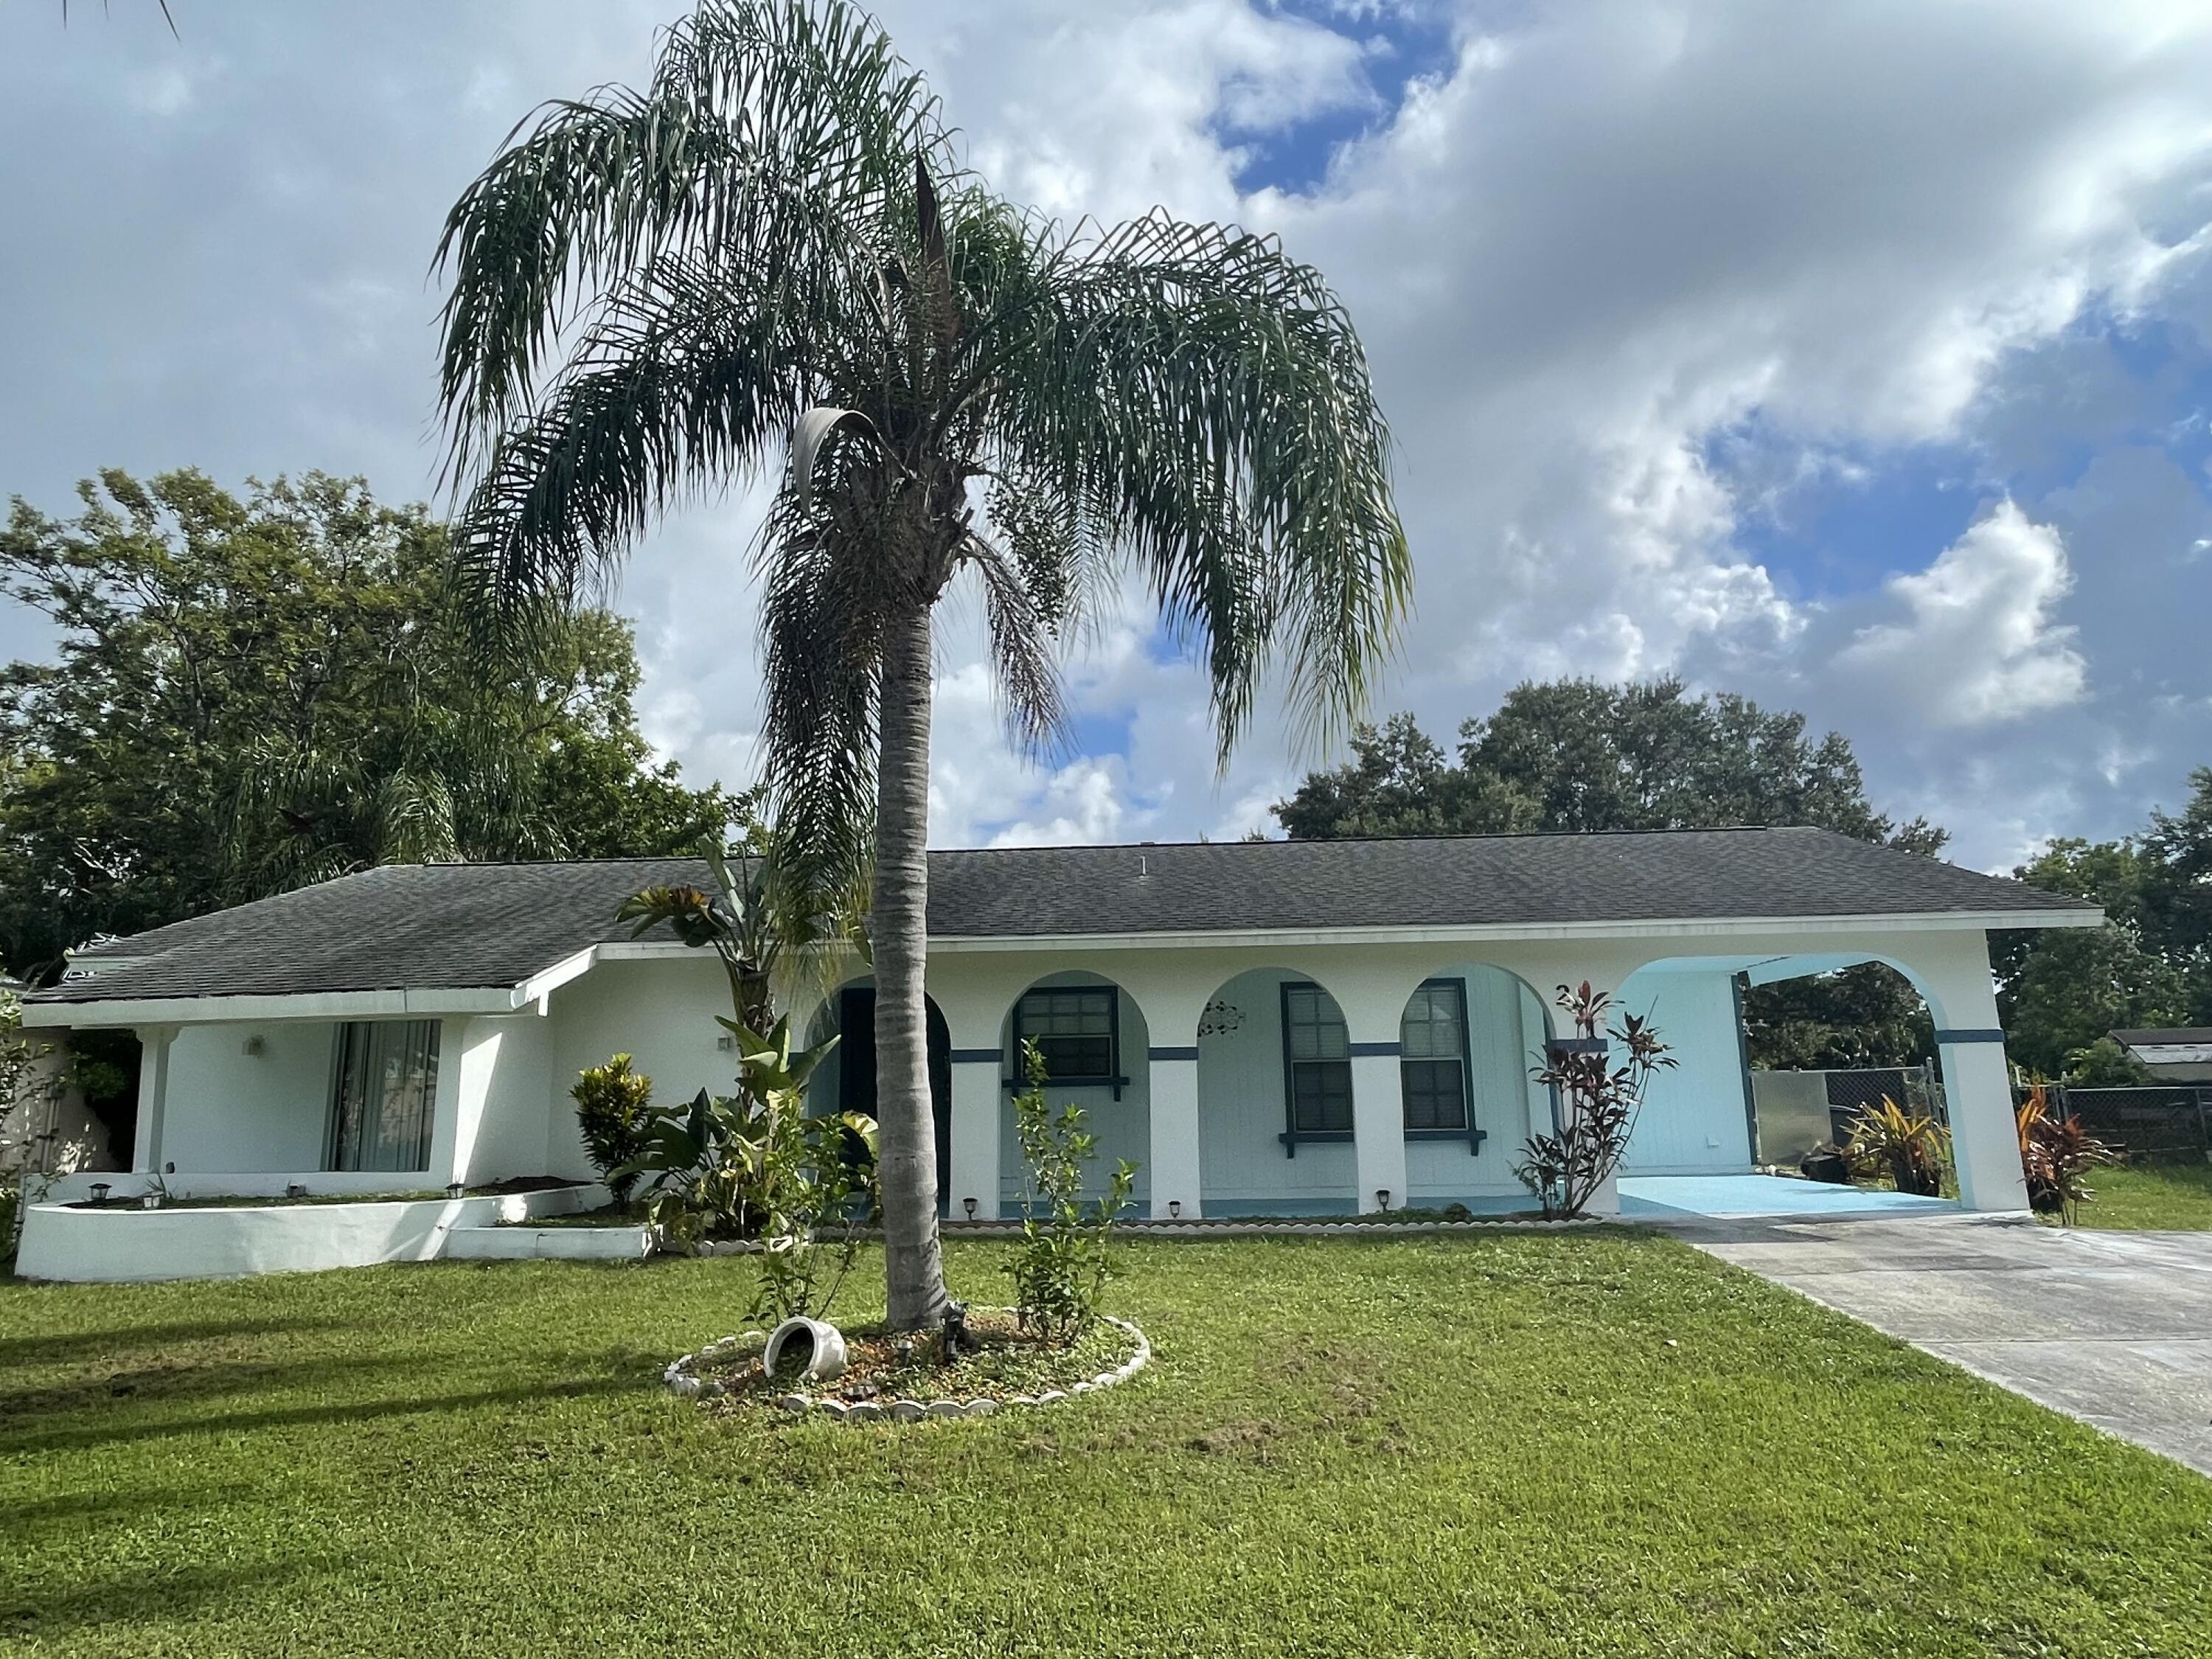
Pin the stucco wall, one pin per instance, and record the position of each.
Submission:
(1123, 1126)
(662, 1014)
(508, 1086)
(1241, 1119)
(120, 1245)
(1694, 1120)
(1505, 1035)
(230, 1110)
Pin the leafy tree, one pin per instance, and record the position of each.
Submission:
(2176, 919)
(2076, 985)
(1577, 755)
(2061, 992)
(253, 694)
(772, 249)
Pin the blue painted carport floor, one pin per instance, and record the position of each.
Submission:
(1725, 1197)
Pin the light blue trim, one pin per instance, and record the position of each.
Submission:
(1376, 1050)
(1990, 1034)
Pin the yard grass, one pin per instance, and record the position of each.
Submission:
(1582, 1444)
(2150, 1197)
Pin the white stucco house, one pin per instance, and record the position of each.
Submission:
(1272, 1027)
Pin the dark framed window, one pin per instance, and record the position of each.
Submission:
(384, 1090)
(1317, 1066)
(1433, 1058)
(1077, 1030)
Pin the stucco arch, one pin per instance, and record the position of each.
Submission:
(1116, 1104)
(838, 1082)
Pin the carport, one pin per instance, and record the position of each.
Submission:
(1746, 1197)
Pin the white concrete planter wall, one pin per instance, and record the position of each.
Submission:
(548, 1243)
(126, 1243)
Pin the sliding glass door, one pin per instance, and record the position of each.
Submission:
(383, 1095)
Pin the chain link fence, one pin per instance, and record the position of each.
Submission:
(2158, 1121)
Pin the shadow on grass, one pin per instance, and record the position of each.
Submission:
(104, 1505)
(136, 1597)
(75, 1345)
(128, 1388)
(361, 1411)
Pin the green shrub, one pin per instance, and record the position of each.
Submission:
(754, 1165)
(1064, 1258)
(1912, 1149)
(612, 1106)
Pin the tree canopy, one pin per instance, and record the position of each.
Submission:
(252, 695)
(2062, 991)
(1578, 755)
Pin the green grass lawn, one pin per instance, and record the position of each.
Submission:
(2150, 1196)
(1592, 1445)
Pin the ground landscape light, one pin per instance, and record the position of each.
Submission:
(968, 1204)
(1382, 1198)
(1174, 1209)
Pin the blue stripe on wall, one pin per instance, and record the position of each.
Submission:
(1361, 1050)
(1172, 1053)
(1990, 1034)
(975, 1056)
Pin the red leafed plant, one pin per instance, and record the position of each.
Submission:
(2056, 1155)
(1599, 1101)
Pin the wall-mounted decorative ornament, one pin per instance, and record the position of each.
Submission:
(1219, 1018)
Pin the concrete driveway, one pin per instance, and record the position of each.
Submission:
(2115, 1328)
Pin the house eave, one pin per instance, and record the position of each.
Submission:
(411, 1003)
(427, 1002)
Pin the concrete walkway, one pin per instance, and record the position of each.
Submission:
(2114, 1329)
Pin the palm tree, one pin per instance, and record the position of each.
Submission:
(770, 254)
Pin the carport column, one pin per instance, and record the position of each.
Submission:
(977, 1115)
(1977, 1081)
(154, 1043)
(1175, 1172)
(1985, 1135)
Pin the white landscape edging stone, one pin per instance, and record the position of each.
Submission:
(682, 1379)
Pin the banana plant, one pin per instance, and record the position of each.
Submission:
(754, 1166)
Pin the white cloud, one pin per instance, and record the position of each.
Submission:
(1980, 642)
(1597, 240)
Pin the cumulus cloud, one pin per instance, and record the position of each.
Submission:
(1980, 640)
(1584, 245)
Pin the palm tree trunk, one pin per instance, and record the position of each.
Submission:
(913, 1268)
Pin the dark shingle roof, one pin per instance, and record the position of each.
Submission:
(465, 926)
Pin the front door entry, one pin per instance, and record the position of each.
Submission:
(856, 1071)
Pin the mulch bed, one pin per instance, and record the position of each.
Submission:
(885, 1366)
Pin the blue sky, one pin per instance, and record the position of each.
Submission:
(1854, 357)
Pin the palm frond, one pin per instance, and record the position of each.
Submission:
(769, 131)
(1027, 678)
(1204, 400)
(681, 383)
